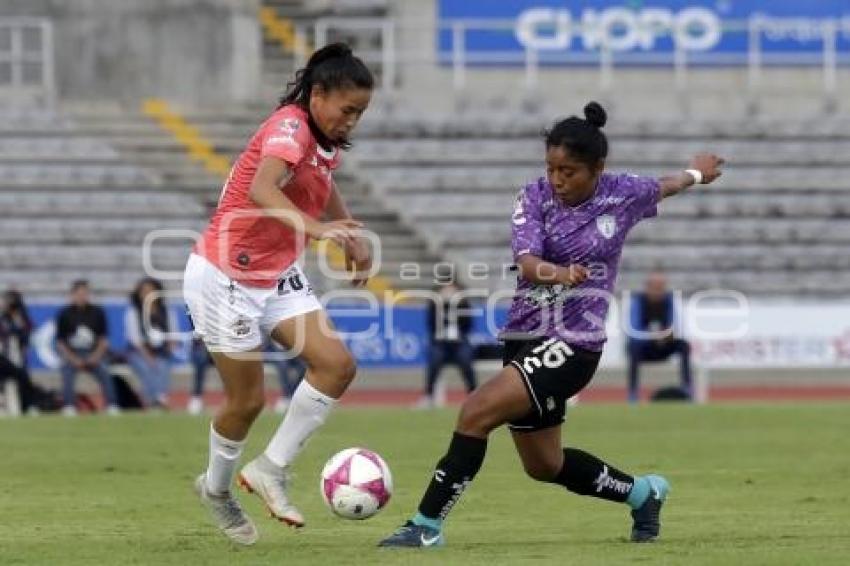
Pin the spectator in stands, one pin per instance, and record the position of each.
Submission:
(654, 311)
(147, 323)
(81, 338)
(289, 372)
(449, 323)
(18, 326)
(15, 328)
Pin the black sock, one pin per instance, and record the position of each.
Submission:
(454, 472)
(585, 474)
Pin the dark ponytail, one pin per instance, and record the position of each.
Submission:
(332, 67)
(582, 138)
(158, 312)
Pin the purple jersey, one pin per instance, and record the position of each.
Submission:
(591, 234)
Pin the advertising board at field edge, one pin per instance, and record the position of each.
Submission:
(751, 335)
(640, 31)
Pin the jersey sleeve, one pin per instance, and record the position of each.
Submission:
(285, 138)
(643, 194)
(527, 224)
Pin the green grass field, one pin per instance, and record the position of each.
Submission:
(751, 485)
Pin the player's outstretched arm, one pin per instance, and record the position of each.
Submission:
(704, 169)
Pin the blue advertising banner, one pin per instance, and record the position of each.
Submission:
(641, 31)
(382, 337)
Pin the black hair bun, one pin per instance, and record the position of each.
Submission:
(595, 114)
(338, 49)
(331, 51)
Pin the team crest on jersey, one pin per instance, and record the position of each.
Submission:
(518, 217)
(286, 132)
(607, 225)
(289, 125)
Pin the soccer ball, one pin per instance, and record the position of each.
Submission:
(356, 483)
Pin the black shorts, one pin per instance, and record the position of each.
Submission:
(553, 371)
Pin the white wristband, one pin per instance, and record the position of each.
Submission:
(696, 174)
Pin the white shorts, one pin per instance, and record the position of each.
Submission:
(230, 316)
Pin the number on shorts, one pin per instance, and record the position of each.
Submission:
(552, 354)
(294, 282)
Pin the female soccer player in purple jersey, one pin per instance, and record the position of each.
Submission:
(568, 233)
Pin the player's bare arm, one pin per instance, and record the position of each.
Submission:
(703, 169)
(274, 173)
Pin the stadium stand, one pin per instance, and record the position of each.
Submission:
(437, 187)
(111, 178)
(290, 27)
(73, 207)
(400, 244)
(456, 178)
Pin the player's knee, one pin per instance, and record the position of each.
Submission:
(254, 408)
(544, 471)
(475, 419)
(348, 368)
(247, 408)
(340, 368)
(344, 369)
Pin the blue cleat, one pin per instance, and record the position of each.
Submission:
(411, 535)
(647, 517)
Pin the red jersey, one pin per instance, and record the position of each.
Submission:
(241, 240)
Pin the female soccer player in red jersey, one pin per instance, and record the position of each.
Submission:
(242, 279)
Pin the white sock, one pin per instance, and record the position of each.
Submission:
(308, 410)
(224, 455)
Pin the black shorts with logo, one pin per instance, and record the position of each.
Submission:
(553, 371)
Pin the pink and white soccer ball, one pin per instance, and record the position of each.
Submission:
(356, 483)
